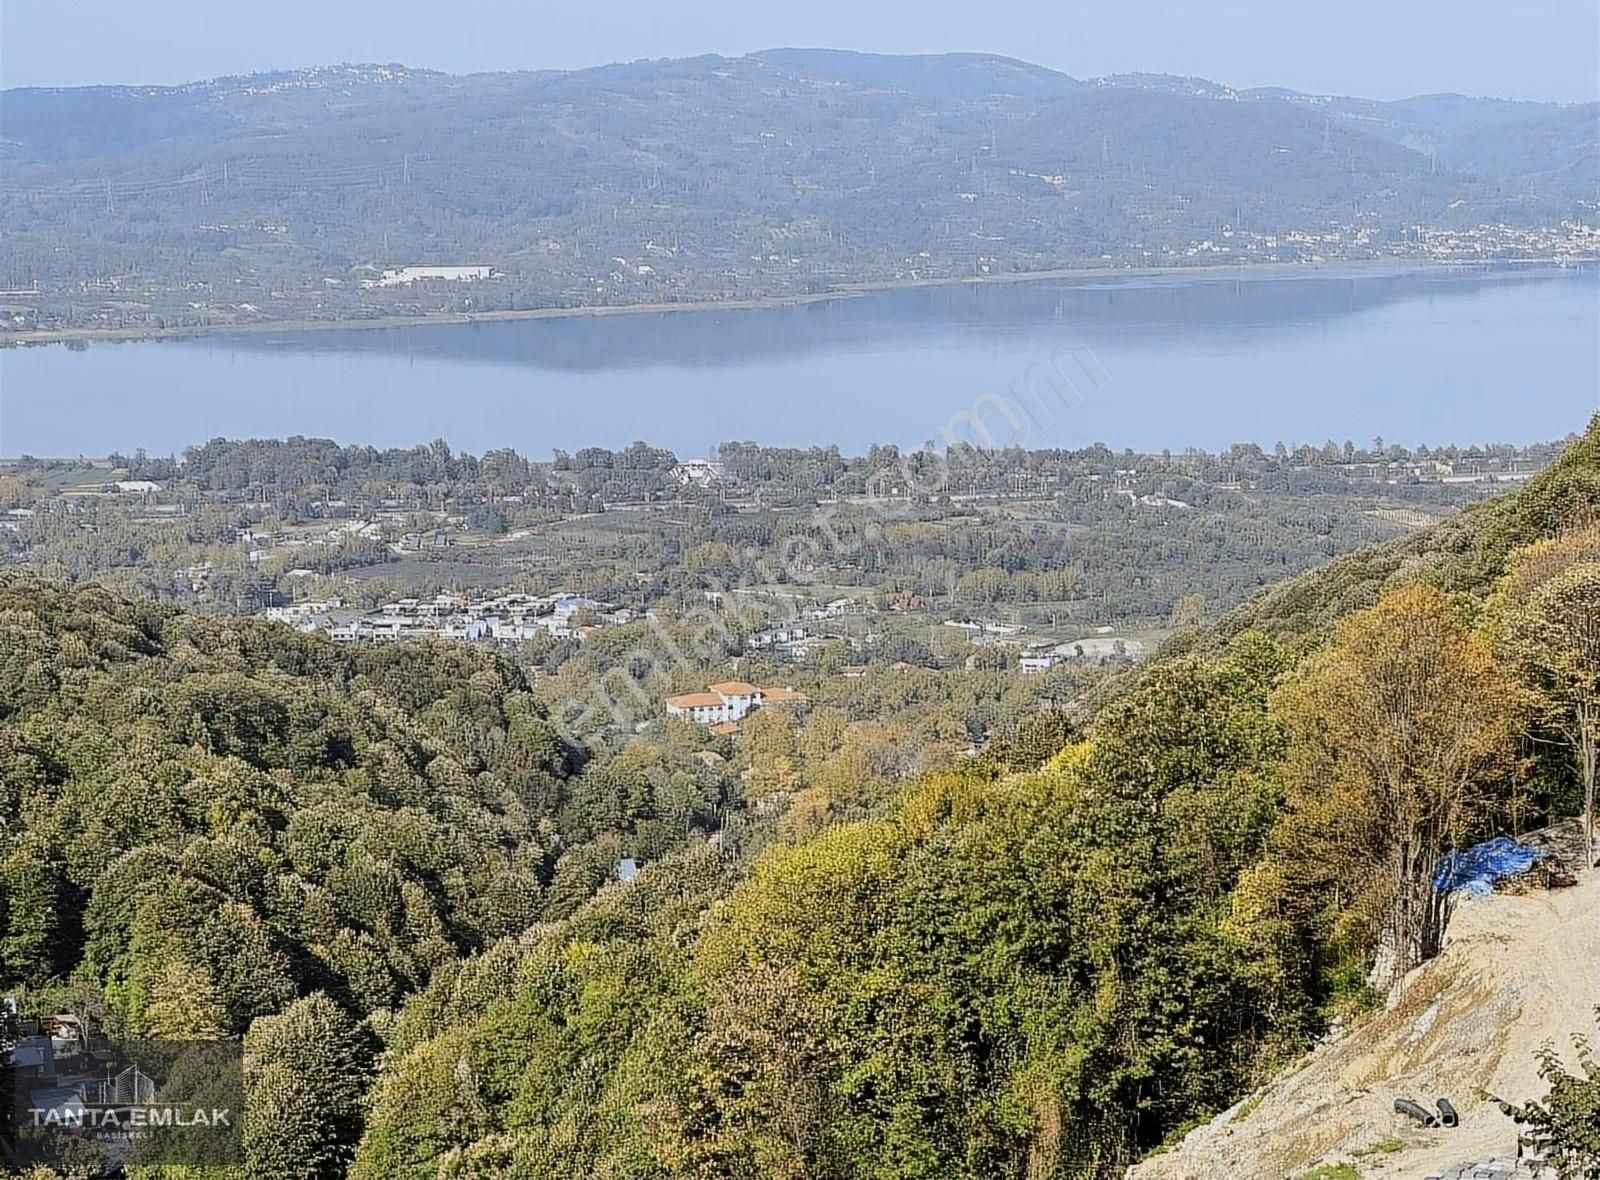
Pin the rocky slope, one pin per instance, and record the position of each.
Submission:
(1518, 971)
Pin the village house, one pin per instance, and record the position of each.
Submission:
(310, 615)
(698, 472)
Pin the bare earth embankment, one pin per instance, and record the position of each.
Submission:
(1518, 971)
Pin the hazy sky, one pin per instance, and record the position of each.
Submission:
(1546, 49)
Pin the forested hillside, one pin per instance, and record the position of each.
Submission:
(1461, 555)
(1039, 962)
(1043, 973)
(204, 822)
(781, 173)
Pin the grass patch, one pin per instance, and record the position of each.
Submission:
(1332, 1172)
(1351, 996)
(1382, 1147)
(1247, 1108)
(1177, 1135)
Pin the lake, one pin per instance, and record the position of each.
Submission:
(1418, 356)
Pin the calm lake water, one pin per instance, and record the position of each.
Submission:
(1416, 357)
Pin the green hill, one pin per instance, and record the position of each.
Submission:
(381, 868)
(787, 172)
(1036, 974)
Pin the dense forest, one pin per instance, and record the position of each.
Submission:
(783, 173)
(383, 870)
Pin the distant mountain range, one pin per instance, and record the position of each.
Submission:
(786, 171)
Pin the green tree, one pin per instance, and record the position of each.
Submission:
(306, 1073)
(1564, 1129)
(31, 942)
(181, 1002)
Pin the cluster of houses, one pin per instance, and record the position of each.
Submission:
(387, 528)
(1037, 656)
(788, 642)
(1571, 241)
(801, 607)
(64, 1079)
(505, 618)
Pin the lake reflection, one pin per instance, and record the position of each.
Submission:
(1415, 357)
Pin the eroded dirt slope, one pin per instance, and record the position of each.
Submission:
(1517, 971)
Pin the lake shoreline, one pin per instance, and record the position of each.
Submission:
(1208, 359)
(1248, 272)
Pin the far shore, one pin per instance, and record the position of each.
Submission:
(843, 291)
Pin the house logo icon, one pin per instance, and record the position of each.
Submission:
(131, 1087)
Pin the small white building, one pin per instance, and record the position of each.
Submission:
(1102, 647)
(567, 605)
(510, 631)
(731, 700)
(300, 613)
(701, 473)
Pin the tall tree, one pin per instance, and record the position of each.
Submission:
(305, 1074)
(1551, 626)
(1397, 735)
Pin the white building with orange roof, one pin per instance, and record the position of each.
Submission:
(706, 708)
(729, 702)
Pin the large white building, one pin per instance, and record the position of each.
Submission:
(398, 276)
(731, 700)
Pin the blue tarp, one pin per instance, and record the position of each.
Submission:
(1475, 870)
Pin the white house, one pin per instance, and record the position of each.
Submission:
(1036, 664)
(567, 605)
(728, 701)
(731, 700)
(698, 472)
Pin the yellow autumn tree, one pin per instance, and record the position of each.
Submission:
(1549, 625)
(183, 1003)
(772, 754)
(1399, 739)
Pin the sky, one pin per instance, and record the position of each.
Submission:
(1535, 49)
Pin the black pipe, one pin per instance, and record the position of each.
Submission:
(1447, 1114)
(1412, 1110)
